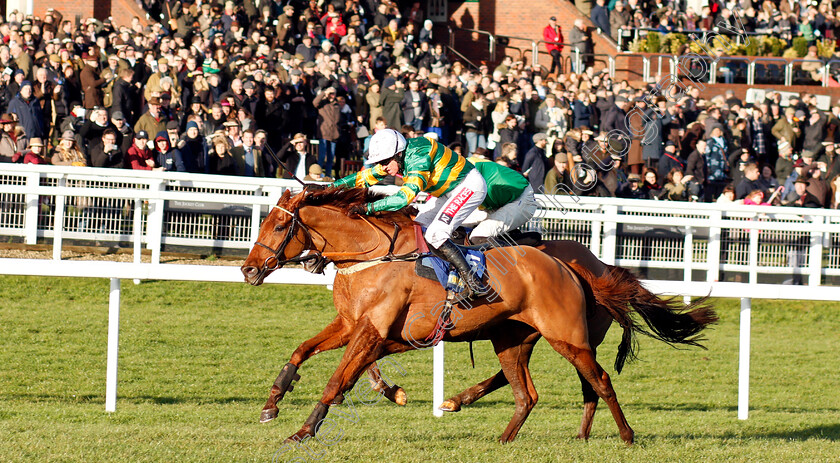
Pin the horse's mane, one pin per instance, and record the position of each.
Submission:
(346, 198)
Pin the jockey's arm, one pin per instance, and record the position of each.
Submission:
(413, 184)
(364, 178)
(418, 168)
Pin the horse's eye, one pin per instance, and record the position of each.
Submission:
(278, 228)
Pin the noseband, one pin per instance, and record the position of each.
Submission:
(275, 261)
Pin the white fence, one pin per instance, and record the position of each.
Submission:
(162, 209)
(689, 241)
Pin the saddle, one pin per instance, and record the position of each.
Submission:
(433, 268)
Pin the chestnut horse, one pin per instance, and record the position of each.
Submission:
(599, 319)
(538, 293)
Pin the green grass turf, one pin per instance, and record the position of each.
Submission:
(197, 359)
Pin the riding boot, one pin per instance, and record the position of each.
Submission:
(450, 253)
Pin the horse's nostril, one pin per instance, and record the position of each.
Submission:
(249, 271)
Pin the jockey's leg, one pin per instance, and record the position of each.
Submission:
(455, 207)
(506, 218)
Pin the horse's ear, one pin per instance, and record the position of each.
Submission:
(285, 197)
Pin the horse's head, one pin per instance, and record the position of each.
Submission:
(283, 237)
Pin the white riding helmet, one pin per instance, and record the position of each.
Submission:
(385, 144)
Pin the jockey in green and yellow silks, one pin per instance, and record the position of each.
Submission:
(454, 186)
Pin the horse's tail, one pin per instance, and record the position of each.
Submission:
(668, 320)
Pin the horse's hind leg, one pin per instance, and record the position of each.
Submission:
(331, 337)
(471, 394)
(393, 393)
(590, 403)
(474, 393)
(584, 361)
(513, 356)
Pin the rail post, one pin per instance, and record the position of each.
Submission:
(113, 346)
(744, 360)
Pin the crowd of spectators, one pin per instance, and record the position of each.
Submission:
(221, 88)
(785, 19)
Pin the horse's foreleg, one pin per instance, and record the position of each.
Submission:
(365, 347)
(331, 337)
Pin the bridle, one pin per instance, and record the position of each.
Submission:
(278, 262)
(321, 257)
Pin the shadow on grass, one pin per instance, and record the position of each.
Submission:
(186, 400)
(826, 432)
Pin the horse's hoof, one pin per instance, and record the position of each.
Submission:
(268, 415)
(400, 397)
(300, 435)
(338, 400)
(450, 406)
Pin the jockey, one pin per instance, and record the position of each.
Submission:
(455, 189)
(509, 203)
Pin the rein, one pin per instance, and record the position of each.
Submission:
(321, 256)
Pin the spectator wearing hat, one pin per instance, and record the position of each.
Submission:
(784, 163)
(553, 36)
(219, 159)
(153, 120)
(558, 180)
(392, 94)
(615, 118)
(374, 103)
(67, 152)
(166, 155)
(233, 132)
(153, 85)
(787, 127)
(633, 188)
(194, 151)
(139, 156)
(108, 152)
(295, 157)
(91, 82)
(799, 196)
(316, 174)
(10, 143)
(285, 28)
(34, 154)
(125, 134)
(534, 164)
(669, 160)
(250, 99)
(248, 157)
(28, 111)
